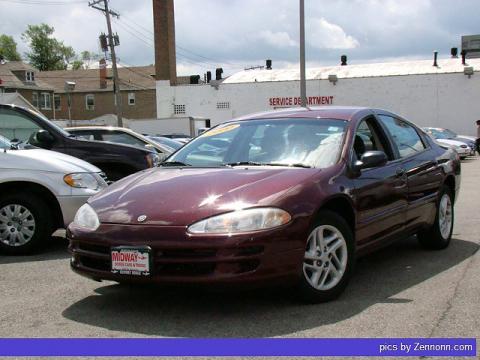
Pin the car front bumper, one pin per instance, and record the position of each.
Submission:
(181, 258)
(69, 206)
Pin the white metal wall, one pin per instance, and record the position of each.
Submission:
(441, 100)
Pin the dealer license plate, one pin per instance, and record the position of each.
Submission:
(131, 261)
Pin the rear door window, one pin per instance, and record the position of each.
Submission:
(404, 136)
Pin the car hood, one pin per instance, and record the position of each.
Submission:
(471, 138)
(181, 196)
(46, 160)
(451, 142)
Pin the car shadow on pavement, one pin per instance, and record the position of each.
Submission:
(56, 249)
(199, 313)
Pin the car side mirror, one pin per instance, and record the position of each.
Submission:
(41, 138)
(371, 159)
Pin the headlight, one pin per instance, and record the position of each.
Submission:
(241, 221)
(87, 218)
(153, 160)
(83, 181)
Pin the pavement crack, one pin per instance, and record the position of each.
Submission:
(454, 294)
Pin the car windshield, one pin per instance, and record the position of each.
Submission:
(450, 133)
(290, 142)
(5, 143)
(439, 134)
(171, 144)
(51, 123)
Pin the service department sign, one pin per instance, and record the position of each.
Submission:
(287, 101)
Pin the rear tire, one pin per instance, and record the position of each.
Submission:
(25, 224)
(329, 259)
(438, 236)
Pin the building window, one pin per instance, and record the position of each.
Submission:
(178, 109)
(35, 99)
(223, 105)
(131, 98)
(90, 102)
(30, 76)
(56, 102)
(45, 101)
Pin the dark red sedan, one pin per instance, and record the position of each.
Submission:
(292, 196)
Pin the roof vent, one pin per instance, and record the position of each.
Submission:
(218, 74)
(268, 64)
(435, 55)
(194, 79)
(454, 52)
(343, 60)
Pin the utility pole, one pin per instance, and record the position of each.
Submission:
(303, 83)
(111, 43)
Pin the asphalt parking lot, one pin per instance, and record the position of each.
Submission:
(401, 291)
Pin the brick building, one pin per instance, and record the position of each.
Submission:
(93, 94)
(22, 78)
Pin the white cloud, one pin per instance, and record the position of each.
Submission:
(279, 39)
(322, 34)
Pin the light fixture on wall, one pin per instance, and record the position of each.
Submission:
(468, 70)
(333, 78)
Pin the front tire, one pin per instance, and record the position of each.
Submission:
(25, 224)
(329, 259)
(438, 236)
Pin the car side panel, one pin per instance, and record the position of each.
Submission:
(381, 200)
(425, 178)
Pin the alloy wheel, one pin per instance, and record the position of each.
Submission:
(445, 217)
(325, 259)
(17, 225)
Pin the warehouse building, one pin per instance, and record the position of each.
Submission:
(441, 92)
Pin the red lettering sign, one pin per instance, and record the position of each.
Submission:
(296, 101)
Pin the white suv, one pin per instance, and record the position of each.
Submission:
(40, 192)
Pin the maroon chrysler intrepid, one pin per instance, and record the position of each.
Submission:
(290, 197)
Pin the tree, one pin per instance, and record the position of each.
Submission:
(77, 65)
(8, 48)
(46, 52)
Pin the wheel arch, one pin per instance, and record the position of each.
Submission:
(343, 206)
(41, 191)
(450, 182)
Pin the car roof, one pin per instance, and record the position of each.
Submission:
(330, 112)
(99, 127)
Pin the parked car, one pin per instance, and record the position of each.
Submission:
(119, 135)
(292, 196)
(40, 191)
(23, 125)
(449, 137)
(183, 138)
(171, 144)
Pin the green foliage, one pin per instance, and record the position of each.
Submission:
(8, 48)
(46, 52)
(77, 65)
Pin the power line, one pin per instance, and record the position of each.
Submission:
(209, 60)
(150, 44)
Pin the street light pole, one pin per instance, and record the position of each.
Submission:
(303, 83)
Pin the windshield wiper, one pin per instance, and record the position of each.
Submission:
(174, 163)
(254, 163)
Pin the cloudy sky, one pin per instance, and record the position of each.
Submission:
(238, 33)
